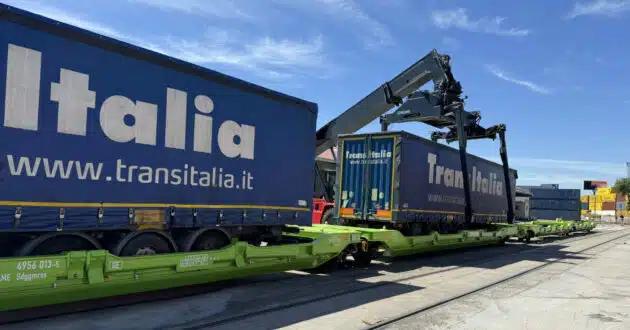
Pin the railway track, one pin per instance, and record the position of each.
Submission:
(319, 294)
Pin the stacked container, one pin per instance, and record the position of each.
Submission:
(549, 202)
(621, 202)
(605, 202)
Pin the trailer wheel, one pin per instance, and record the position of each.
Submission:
(139, 243)
(364, 254)
(503, 240)
(205, 240)
(55, 243)
(327, 217)
(331, 265)
(530, 235)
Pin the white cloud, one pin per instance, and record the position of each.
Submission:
(342, 10)
(599, 8)
(458, 18)
(349, 9)
(223, 9)
(269, 58)
(346, 11)
(66, 17)
(497, 72)
(274, 59)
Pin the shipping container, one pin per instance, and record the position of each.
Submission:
(554, 214)
(555, 204)
(595, 206)
(95, 130)
(541, 186)
(604, 191)
(400, 177)
(606, 198)
(545, 193)
(521, 208)
(609, 206)
(625, 214)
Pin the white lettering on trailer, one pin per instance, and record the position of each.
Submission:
(29, 277)
(21, 103)
(74, 98)
(176, 119)
(454, 178)
(76, 169)
(40, 264)
(203, 135)
(371, 154)
(113, 113)
(194, 261)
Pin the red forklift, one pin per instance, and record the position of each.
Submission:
(323, 199)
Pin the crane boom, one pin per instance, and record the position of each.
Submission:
(432, 67)
(441, 108)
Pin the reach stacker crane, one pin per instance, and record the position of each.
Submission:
(442, 108)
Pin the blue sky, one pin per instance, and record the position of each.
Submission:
(555, 72)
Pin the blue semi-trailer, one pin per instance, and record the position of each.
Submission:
(414, 185)
(107, 145)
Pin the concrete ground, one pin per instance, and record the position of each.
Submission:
(589, 292)
(550, 298)
(583, 290)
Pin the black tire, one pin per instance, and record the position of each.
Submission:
(327, 217)
(56, 245)
(363, 258)
(210, 240)
(330, 265)
(146, 244)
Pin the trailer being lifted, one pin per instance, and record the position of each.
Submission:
(441, 108)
